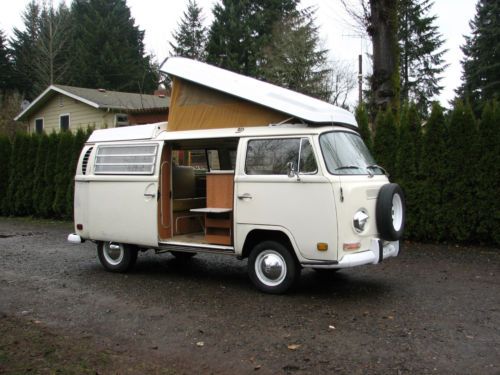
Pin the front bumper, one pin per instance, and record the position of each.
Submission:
(377, 252)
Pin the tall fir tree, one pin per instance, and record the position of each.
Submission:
(408, 165)
(108, 48)
(432, 223)
(364, 125)
(488, 171)
(461, 174)
(49, 188)
(385, 141)
(481, 66)
(303, 68)
(421, 53)
(39, 181)
(241, 29)
(7, 81)
(52, 46)
(190, 37)
(5, 153)
(23, 47)
(63, 173)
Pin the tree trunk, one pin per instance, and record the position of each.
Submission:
(383, 29)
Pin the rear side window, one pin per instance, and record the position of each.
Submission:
(126, 159)
(271, 156)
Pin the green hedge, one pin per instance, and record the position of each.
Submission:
(449, 168)
(36, 174)
(447, 164)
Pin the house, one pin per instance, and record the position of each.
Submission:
(71, 108)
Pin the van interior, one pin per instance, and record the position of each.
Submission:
(196, 191)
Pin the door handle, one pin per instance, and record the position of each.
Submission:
(150, 195)
(244, 196)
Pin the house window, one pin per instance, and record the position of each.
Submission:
(39, 125)
(121, 119)
(64, 122)
(126, 159)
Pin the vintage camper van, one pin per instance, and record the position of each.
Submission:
(284, 196)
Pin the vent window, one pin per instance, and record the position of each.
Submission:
(126, 159)
(85, 160)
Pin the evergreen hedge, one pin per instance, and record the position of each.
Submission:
(449, 170)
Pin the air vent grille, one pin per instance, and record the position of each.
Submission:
(85, 161)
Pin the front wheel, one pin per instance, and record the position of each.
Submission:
(116, 257)
(272, 268)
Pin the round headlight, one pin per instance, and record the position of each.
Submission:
(359, 221)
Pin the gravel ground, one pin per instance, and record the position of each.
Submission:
(433, 310)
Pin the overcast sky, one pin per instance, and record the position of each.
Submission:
(160, 17)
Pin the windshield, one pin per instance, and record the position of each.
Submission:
(346, 153)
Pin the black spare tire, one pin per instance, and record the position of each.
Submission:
(390, 212)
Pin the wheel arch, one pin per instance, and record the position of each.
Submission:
(255, 236)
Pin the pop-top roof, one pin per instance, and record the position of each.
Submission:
(297, 105)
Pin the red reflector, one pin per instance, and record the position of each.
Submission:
(79, 226)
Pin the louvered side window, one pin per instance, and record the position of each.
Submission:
(126, 159)
(85, 161)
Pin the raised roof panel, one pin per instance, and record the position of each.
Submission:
(297, 105)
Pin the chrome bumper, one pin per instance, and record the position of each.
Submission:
(377, 252)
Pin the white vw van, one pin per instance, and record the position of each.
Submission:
(286, 197)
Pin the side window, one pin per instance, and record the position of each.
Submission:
(126, 159)
(307, 160)
(271, 156)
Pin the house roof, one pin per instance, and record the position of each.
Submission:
(268, 95)
(99, 99)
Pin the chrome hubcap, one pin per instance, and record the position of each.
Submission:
(113, 253)
(397, 212)
(270, 267)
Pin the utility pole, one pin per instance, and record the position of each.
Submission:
(360, 79)
(360, 64)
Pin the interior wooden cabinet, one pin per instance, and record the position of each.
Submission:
(220, 194)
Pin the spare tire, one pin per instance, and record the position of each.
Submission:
(390, 212)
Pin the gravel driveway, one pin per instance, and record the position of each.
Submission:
(434, 309)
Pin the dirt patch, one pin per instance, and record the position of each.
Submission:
(27, 346)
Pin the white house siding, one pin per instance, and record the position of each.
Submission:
(80, 115)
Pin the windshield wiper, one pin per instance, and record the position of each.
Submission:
(373, 166)
(348, 167)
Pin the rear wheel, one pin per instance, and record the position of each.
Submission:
(272, 268)
(116, 257)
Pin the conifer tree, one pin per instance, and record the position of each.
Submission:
(63, 173)
(487, 201)
(5, 152)
(421, 56)
(108, 48)
(26, 185)
(78, 142)
(23, 47)
(6, 67)
(481, 69)
(49, 177)
(303, 68)
(191, 36)
(363, 125)
(432, 224)
(385, 141)
(15, 193)
(39, 181)
(408, 165)
(240, 30)
(461, 178)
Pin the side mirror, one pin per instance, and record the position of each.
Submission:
(291, 170)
